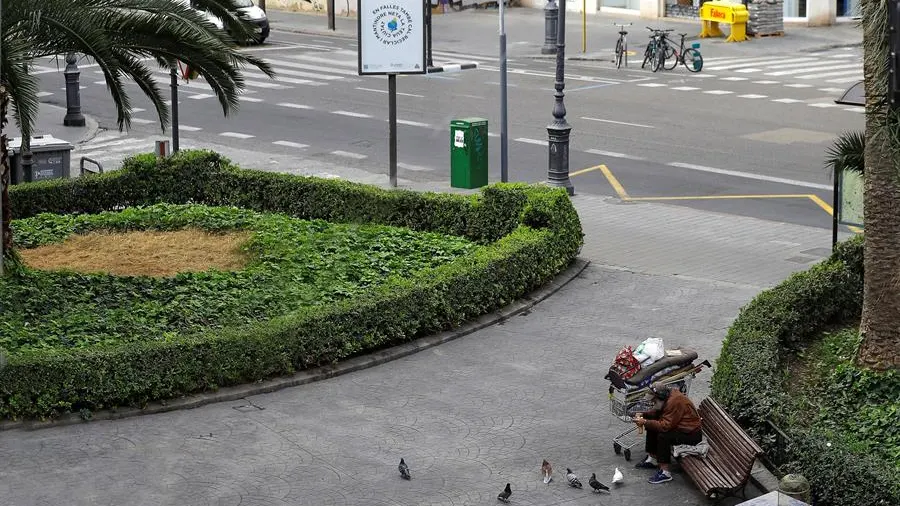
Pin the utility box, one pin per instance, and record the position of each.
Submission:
(50, 158)
(468, 153)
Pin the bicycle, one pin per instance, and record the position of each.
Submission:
(622, 46)
(655, 53)
(690, 57)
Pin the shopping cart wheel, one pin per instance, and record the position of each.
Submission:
(628, 454)
(617, 448)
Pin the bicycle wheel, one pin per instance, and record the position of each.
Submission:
(620, 53)
(671, 58)
(648, 54)
(659, 58)
(693, 60)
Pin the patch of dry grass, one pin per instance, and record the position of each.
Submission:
(142, 253)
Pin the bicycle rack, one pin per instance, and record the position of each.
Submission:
(95, 162)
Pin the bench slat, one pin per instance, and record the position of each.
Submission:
(732, 452)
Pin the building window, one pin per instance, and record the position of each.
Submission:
(795, 8)
(683, 8)
(847, 8)
(622, 4)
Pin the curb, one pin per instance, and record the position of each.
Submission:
(762, 478)
(320, 373)
(307, 31)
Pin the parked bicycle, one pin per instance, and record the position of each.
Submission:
(690, 57)
(622, 46)
(655, 54)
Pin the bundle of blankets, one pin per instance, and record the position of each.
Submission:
(673, 365)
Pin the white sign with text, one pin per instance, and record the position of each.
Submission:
(391, 37)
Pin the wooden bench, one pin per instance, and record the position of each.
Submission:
(726, 468)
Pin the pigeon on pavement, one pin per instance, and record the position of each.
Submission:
(596, 485)
(618, 477)
(504, 496)
(404, 470)
(572, 478)
(547, 471)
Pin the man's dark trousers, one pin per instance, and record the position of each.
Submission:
(661, 443)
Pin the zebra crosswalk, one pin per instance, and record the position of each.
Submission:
(110, 148)
(297, 66)
(833, 67)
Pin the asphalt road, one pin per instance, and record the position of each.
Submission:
(726, 132)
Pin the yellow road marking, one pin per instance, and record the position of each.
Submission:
(821, 203)
(585, 171)
(724, 197)
(620, 190)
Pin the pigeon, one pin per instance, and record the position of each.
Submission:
(404, 470)
(572, 478)
(504, 496)
(596, 485)
(617, 477)
(547, 471)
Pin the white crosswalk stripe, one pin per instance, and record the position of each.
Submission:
(830, 67)
(302, 65)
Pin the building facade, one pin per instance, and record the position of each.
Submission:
(796, 12)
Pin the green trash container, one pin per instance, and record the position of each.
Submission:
(468, 153)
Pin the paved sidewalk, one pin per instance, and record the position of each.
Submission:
(475, 32)
(50, 122)
(468, 416)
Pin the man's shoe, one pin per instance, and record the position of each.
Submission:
(644, 464)
(660, 477)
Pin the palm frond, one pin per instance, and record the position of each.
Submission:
(128, 40)
(847, 153)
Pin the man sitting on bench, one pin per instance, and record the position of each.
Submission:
(678, 423)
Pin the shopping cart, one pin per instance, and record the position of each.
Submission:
(625, 404)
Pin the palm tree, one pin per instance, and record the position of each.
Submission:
(125, 38)
(880, 326)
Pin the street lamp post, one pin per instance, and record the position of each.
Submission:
(551, 17)
(558, 171)
(73, 93)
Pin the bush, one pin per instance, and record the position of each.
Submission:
(530, 234)
(288, 264)
(750, 382)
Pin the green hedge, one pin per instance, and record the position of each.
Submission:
(749, 377)
(531, 233)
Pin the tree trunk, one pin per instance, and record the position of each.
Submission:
(5, 208)
(880, 326)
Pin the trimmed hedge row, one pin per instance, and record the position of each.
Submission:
(749, 377)
(531, 233)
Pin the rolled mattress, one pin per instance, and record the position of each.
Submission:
(686, 357)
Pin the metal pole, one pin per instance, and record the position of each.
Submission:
(835, 208)
(551, 17)
(558, 171)
(174, 110)
(392, 127)
(504, 133)
(331, 15)
(583, 26)
(73, 93)
(430, 61)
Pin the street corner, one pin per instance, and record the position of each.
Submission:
(628, 181)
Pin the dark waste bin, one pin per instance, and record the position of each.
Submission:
(50, 159)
